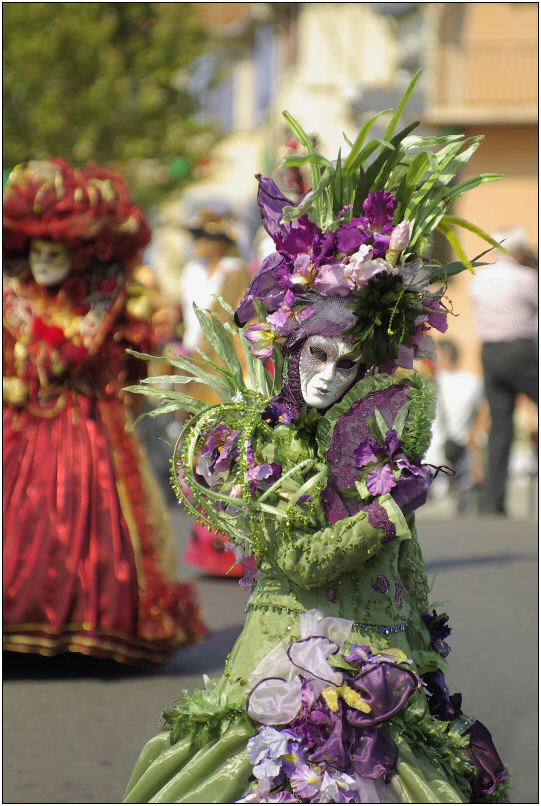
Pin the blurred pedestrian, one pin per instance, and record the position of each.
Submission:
(505, 298)
(215, 269)
(89, 560)
(456, 432)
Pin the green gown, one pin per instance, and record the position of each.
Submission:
(348, 570)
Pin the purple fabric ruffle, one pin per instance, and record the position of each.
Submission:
(481, 752)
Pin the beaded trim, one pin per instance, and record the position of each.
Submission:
(291, 611)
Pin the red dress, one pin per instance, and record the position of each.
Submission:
(89, 560)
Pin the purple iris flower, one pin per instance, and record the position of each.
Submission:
(380, 479)
(436, 314)
(380, 244)
(359, 655)
(323, 247)
(275, 414)
(229, 451)
(306, 781)
(303, 273)
(263, 338)
(438, 629)
(379, 208)
(334, 279)
(291, 238)
(353, 235)
(289, 316)
(284, 275)
(257, 474)
(209, 462)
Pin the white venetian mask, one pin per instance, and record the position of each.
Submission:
(50, 261)
(327, 369)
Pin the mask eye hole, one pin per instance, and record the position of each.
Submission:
(318, 353)
(345, 363)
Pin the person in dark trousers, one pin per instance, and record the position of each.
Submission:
(505, 298)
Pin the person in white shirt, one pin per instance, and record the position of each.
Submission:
(505, 298)
(460, 399)
(215, 268)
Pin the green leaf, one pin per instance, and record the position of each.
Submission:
(368, 151)
(400, 108)
(360, 194)
(462, 222)
(310, 199)
(417, 169)
(194, 404)
(446, 230)
(224, 390)
(337, 185)
(349, 167)
(301, 159)
(225, 305)
(305, 141)
(470, 184)
(220, 341)
(165, 410)
(373, 171)
(429, 194)
(400, 419)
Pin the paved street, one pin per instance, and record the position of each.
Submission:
(74, 726)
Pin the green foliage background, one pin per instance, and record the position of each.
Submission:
(104, 81)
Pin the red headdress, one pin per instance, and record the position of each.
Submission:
(89, 209)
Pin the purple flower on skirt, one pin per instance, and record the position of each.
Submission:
(229, 452)
(359, 655)
(438, 629)
(266, 472)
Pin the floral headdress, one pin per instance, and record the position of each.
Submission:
(361, 234)
(90, 209)
(348, 261)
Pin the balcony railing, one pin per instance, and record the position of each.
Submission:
(486, 74)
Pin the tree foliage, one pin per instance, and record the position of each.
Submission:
(104, 81)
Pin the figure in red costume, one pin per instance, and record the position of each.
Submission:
(89, 560)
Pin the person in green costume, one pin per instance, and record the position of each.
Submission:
(335, 690)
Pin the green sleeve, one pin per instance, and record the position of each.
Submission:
(312, 559)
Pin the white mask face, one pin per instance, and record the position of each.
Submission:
(50, 261)
(327, 369)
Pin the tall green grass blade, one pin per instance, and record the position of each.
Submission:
(400, 108)
(349, 163)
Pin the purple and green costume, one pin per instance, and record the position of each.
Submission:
(335, 690)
